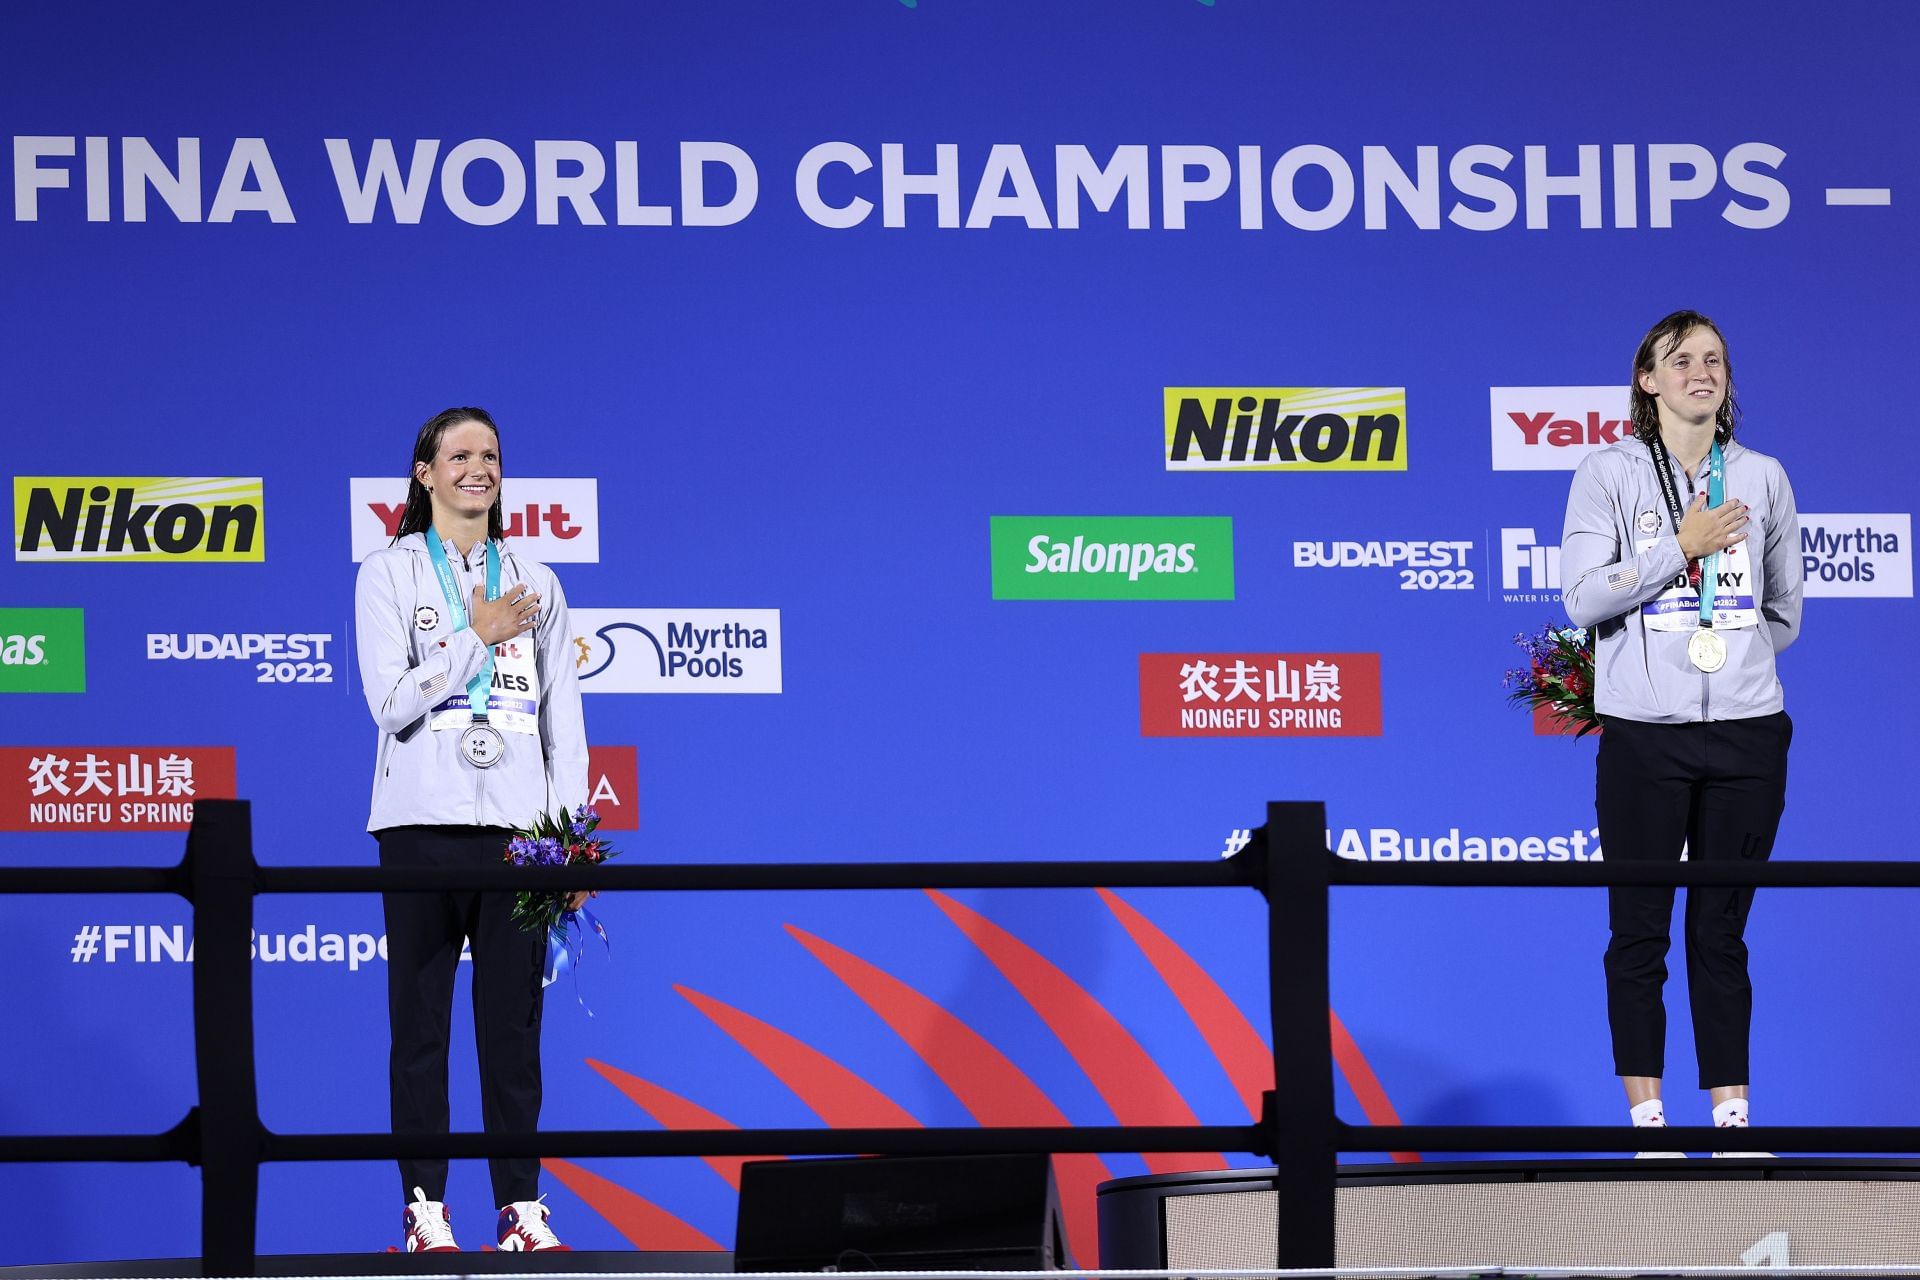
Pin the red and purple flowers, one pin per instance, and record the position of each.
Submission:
(553, 840)
(1558, 676)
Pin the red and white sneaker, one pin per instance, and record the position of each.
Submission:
(524, 1229)
(427, 1227)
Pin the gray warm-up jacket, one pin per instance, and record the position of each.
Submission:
(412, 659)
(1607, 577)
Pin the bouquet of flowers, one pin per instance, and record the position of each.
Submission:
(1558, 676)
(554, 840)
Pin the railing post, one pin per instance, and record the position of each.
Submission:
(1302, 1131)
(220, 868)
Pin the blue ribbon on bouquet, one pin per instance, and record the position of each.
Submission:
(567, 948)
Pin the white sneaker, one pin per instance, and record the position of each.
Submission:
(1740, 1122)
(427, 1227)
(1659, 1122)
(524, 1229)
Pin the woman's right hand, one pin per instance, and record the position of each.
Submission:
(513, 614)
(1704, 531)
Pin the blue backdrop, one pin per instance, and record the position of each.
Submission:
(786, 414)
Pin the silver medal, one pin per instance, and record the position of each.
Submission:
(482, 745)
(1706, 650)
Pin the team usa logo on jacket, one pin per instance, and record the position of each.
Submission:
(677, 650)
(1260, 695)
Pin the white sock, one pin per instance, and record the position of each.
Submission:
(1731, 1114)
(1652, 1115)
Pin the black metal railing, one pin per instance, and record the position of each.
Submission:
(1287, 862)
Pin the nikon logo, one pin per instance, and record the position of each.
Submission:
(138, 518)
(1286, 428)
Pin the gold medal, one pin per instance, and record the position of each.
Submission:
(1706, 650)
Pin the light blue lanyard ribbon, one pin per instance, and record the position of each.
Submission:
(1716, 492)
(480, 688)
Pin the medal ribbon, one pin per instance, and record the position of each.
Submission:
(1700, 571)
(480, 688)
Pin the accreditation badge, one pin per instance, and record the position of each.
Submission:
(1677, 607)
(514, 706)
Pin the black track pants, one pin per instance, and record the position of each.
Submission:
(424, 936)
(1719, 788)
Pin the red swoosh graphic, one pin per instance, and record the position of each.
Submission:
(832, 1092)
(675, 1112)
(992, 1089)
(1242, 1053)
(1125, 1075)
(644, 1224)
(1365, 1085)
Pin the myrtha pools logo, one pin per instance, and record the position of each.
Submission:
(677, 650)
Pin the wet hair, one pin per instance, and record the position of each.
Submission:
(418, 516)
(1659, 343)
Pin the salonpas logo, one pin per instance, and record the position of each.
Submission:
(1285, 428)
(42, 651)
(138, 518)
(1112, 557)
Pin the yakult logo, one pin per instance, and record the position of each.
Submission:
(1552, 428)
(677, 650)
(553, 521)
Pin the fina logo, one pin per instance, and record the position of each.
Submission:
(1529, 571)
(677, 650)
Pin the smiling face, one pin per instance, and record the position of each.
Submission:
(463, 480)
(1689, 378)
